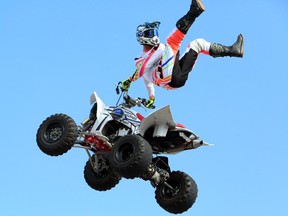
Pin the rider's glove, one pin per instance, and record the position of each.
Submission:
(150, 103)
(125, 84)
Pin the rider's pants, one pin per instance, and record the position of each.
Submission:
(185, 64)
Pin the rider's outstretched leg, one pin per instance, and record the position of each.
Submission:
(190, 56)
(184, 65)
(184, 23)
(236, 50)
(200, 45)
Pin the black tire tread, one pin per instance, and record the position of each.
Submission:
(138, 163)
(184, 199)
(100, 183)
(62, 146)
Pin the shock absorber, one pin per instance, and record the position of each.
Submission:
(87, 123)
(155, 174)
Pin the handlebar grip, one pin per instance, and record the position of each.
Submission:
(130, 101)
(117, 87)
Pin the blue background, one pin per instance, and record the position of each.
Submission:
(54, 54)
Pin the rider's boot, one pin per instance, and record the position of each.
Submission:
(236, 50)
(184, 23)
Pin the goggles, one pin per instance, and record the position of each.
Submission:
(150, 33)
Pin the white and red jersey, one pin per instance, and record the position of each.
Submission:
(156, 65)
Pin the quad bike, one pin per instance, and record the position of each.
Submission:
(120, 142)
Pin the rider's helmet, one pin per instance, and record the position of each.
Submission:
(147, 33)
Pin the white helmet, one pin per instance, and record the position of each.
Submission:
(147, 33)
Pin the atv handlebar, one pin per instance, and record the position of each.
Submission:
(129, 102)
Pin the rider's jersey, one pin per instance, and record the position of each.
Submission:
(156, 65)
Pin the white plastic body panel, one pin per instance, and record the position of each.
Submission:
(161, 119)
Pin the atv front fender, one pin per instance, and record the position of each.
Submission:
(100, 104)
(101, 112)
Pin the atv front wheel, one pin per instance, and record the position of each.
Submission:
(102, 177)
(57, 134)
(130, 156)
(181, 197)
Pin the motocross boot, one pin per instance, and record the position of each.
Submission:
(184, 23)
(236, 50)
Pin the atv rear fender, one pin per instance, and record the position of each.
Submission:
(162, 120)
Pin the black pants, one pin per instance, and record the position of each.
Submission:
(182, 68)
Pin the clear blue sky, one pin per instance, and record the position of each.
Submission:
(54, 53)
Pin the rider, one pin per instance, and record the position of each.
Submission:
(159, 64)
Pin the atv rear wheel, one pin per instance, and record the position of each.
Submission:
(102, 179)
(181, 197)
(57, 134)
(130, 156)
